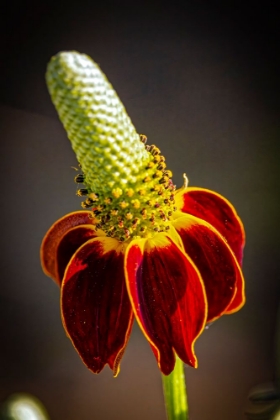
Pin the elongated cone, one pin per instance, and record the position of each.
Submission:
(101, 133)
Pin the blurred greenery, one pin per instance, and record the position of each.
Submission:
(23, 407)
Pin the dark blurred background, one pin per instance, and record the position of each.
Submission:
(201, 81)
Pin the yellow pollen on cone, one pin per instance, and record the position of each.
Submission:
(115, 161)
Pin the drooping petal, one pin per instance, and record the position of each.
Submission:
(168, 298)
(68, 245)
(95, 306)
(216, 210)
(216, 263)
(54, 235)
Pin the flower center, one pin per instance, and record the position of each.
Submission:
(142, 208)
(126, 182)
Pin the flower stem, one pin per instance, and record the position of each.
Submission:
(175, 394)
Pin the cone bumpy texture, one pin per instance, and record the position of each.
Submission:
(169, 258)
(126, 182)
(102, 135)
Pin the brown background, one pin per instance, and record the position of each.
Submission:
(201, 82)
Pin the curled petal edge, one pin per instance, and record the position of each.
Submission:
(55, 234)
(141, 245)
(115, 364)
(236, 238)
(238, 299)
(70, 242)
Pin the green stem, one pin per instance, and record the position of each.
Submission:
(175, 394)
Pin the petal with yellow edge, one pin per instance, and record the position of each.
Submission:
(95, 306)
(168, 298)
(216, 210)
(219, 269)
(68, 245)
(55, 234)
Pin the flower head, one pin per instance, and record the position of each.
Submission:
(170, 258)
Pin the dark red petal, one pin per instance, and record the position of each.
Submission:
(168, 298)
(216, 210)
(216, 263)
(54, 235)
(95, 306)
(68, 245)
